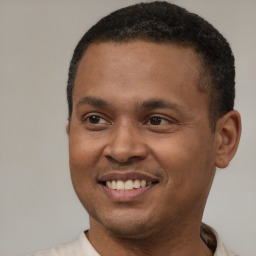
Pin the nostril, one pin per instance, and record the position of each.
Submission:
(111, 159)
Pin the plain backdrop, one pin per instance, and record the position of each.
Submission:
(38, 207)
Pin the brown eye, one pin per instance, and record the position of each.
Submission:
(94, 119)
(94, 122)
(155, 120)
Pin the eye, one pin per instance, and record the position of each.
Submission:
(94, 119)
(95, 122)
(157, 120)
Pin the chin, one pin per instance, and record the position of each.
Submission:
(129, 227)
(132, 233)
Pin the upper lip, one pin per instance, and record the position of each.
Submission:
(127, 176)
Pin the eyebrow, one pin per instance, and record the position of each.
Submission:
(93, 101)
(159, 103)
(148, 104)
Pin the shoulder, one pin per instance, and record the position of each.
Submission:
(221, 249)
(61, 250)
(79, 247)
(212, 240)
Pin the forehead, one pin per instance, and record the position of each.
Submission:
(163, 53)
(146, 68)
(156, 58)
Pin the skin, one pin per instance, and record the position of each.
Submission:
(149, 118)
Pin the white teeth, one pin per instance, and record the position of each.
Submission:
(113, 184)
(143, 183)
(120, 185)
(136, 184)
(127, 185)
(109, 184)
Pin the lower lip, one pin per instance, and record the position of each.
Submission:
(127, 195)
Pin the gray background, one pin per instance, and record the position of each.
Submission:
(38, 208)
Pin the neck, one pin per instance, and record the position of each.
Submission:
(183, 242)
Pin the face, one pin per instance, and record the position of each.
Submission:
(141, 149)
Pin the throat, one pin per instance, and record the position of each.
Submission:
(108, 243)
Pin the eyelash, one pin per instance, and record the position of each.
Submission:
(158, 120)
(90, 117)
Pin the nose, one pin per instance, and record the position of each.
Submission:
(126, 144)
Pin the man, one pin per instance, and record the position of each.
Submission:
(151, 96)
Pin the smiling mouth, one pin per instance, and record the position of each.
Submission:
(127, 185)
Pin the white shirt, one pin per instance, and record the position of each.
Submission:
(82, 247)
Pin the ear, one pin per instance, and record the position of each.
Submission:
(68, 128)
(228, 131)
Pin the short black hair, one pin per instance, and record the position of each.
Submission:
(163, 22)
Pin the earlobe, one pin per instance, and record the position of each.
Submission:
(228, 135)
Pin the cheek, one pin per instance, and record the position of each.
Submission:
(83, 158)
(184, 158)
(187, 177)
(84, 151)
(174, 151)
